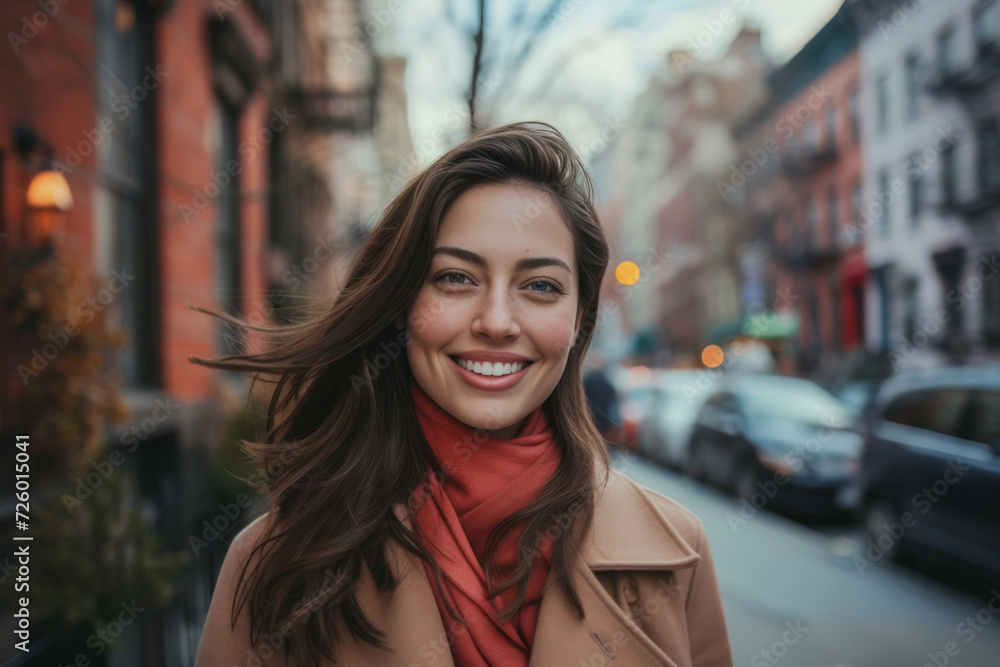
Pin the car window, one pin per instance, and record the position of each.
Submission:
(986, 418)
(795, 400)
(723, 402)
(940, 411)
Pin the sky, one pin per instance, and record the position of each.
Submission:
(588, 64)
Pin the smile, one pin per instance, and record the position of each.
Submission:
(491, 370)
(501, 376)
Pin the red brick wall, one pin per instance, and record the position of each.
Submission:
(189, 137)
(47, 81)
(50, 83)
(841, 174)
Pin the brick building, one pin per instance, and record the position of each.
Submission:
(206, 145)
(801, 200)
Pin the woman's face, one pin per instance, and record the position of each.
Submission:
(502, 287)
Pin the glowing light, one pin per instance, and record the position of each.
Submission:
(49, 190)
(639, 374)
(627, 273)
(712, 356)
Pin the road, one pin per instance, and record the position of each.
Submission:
(776, 573)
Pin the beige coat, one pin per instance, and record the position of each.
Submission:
(645, 577)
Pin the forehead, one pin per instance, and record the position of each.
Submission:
(507, 219)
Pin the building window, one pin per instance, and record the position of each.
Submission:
(809, 140)
(855, 212)
(948, 183)
(815, 326)
(911, 295)
(833, 215)
(949, 265)
(831, 126)
(228, 239)
(946, 61)
(811, 224)
(912, 85)
(771, 165)
(881, 195)
(989, 155)
(915, 174)
(884, 297)
(835, 299)
(792, 147)
(984, 17)
(793, 235)
(991, 311)
(855, 112)
(882, 103)
(129, 175)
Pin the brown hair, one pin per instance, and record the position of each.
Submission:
(341, 426)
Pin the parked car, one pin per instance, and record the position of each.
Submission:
(857, 395)
(930, 469)
(634, 386)
(671, 408)
(784, 439)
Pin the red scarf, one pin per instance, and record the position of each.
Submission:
(490, 480)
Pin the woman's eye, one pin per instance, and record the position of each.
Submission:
(453, 278)
(553, 288)
(445, 276)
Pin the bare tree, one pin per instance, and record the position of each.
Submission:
(477, 60)
(532, 29)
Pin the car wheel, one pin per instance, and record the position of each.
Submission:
(644, 443)
(878, 517)
(670, 457)
(693, 465)
(745, 479)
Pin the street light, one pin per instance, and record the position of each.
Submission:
(49, 202)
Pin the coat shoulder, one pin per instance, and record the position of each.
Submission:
(680, 518)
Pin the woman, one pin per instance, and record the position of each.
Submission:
(438, 492)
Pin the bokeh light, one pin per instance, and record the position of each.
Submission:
(712, 356)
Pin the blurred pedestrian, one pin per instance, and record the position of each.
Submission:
(436, 485)
(602, 399)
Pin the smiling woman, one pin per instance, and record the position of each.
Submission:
(453, 503)
(499, 304)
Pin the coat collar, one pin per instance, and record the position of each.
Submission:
(630, 533)
(624, 512)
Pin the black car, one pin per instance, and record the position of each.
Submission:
(930, 470)
(778, 441)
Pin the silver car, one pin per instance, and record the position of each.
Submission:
(669, 414)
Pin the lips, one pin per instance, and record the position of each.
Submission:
(492, 383)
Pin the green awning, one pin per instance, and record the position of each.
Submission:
(770, 325)
(766, 325)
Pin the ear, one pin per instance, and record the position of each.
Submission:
(579, 322)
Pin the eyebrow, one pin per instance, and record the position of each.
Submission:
(523, 264)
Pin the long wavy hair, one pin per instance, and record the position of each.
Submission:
(342, 444)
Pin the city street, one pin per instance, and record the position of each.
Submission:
(778, 575)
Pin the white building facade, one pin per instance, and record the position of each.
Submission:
(929, 218)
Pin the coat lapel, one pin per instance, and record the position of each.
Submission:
(628, 533)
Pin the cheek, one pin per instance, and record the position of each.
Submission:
(554, 335)
(432, 318)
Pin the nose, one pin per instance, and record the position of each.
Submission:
(497, 317)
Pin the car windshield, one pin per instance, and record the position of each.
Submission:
(638, 394)
(678, 381)
(794, 399)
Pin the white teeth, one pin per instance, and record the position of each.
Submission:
(491, 369)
